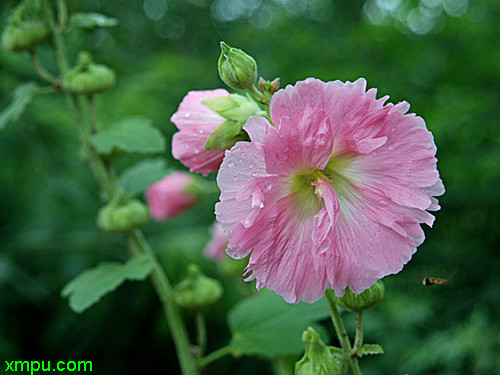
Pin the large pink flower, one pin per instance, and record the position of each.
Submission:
(196, 122)
(332, 195)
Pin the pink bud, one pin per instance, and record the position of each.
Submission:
(171, 196)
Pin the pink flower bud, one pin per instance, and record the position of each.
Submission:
(171, 196)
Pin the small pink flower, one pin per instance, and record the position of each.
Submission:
(196, 122)
(170, 196)
(216, 248)
(333, 194)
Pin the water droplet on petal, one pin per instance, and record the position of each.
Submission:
(254, 174)
(230, 163)
(235, 178)
(321, 138)
(268, 186)
(187, 115)
(196, 150)
(200, 131)
(251, 165)
(240, 160)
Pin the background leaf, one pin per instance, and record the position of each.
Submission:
(130, 134)
(268, 326)
(91, 285)
(23, 94)
(137, 178)
(91, 20)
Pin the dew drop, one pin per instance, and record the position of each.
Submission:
(321, 138)
(235, 178)
(230, 163)
(196, 150)
(268, 186)
(200, 131)
(240, 160)
(251, 165)
(187, 115)
(254, 174)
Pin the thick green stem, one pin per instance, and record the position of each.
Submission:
(163, 288)
(358, 340)
(137, 244)
(342, 334)
(219, 353)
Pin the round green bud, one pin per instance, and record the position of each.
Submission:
(318, 359)
(25, 35)
(87, 77)
(237, 69)
(124, 217)
(362, 301)
(197, 291)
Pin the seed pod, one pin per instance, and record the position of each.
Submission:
(363, 301)
(122, 218)
(25, 35)
(197, 290)
(87, 77)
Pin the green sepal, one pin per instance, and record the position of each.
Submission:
(233, 107)
(362, 301)
(226, 135)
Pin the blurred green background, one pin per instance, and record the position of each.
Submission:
(442, 56)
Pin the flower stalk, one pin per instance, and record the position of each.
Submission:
(105, 176)
(342, 333)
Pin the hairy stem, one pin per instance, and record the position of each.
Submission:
(358, 340)
(342, 334)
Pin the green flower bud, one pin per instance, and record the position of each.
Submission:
(87, 77)
(318, 358)
(237, 69)
(25, 35)
(122, 217)
(363, 301)
(197, 290)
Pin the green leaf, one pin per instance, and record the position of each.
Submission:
(130, 134)
(268, 326)
(23, 94)
(368, 349)
(137, 178)
(91, 285)
(92, 20)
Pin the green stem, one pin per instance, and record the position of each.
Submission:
(219, 353)
(163, 288)
(92, 114)
(358, 340)
(135, 239)
(201, 331)
(45, 75)
(341, 333)
(62, 15)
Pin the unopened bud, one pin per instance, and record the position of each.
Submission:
(197, 290)
(362, 301)
(236, 68)
(87, 77)
(122, 217)
(24, 36)
(318, 358)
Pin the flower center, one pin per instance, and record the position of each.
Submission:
(308, 195)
